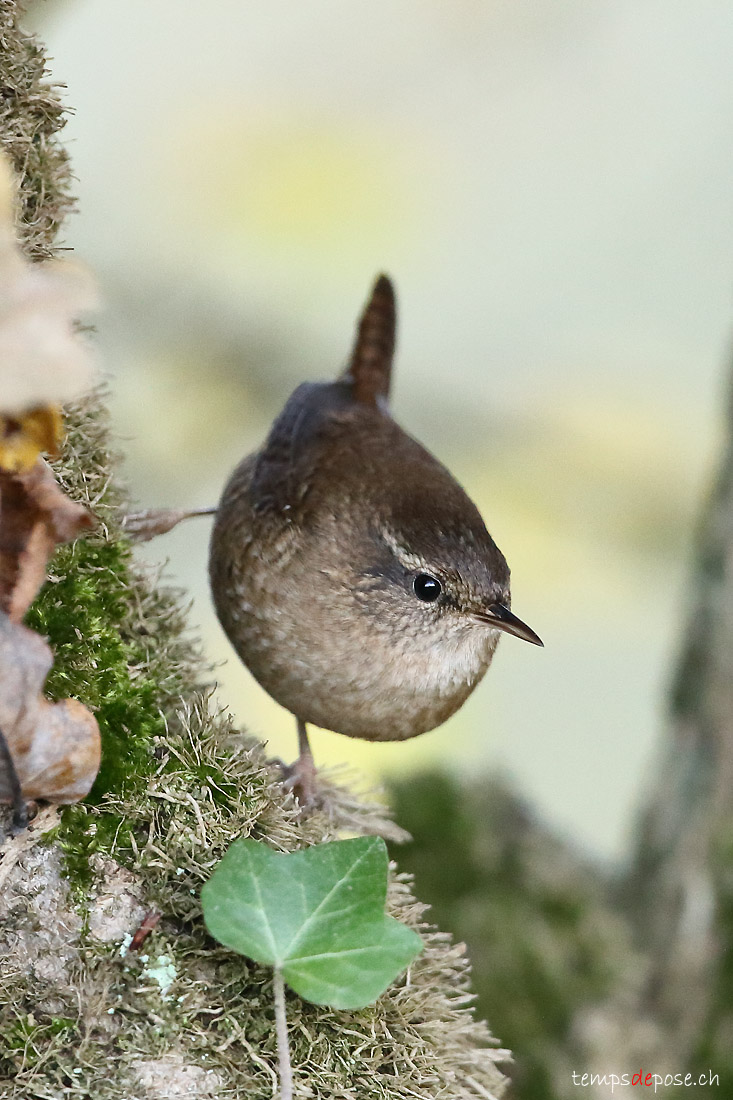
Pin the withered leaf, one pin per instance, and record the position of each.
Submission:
(144, 929)
(55, 747)
(10, 789)
(35, 515)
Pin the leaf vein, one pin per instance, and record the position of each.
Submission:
(300, 934)
(336, 954)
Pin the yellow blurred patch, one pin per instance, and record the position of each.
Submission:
(23, 438)
(300, 185)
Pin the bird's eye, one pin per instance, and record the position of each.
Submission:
(427, 588)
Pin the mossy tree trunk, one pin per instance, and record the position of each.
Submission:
(679, 891)
(177, 784)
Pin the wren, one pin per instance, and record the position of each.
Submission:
(349, 569)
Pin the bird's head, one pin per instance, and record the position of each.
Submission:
(434, 574)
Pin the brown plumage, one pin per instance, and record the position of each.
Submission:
(350, 571)
(370, 367)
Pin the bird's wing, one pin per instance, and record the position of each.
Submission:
(295, 447)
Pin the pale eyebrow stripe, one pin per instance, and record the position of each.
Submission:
(410, 561)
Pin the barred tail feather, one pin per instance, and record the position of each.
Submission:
(370, 367)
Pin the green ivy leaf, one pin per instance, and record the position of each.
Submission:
(317, 915)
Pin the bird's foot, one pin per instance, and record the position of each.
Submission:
(301, 778)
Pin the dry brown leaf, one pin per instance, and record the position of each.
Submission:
(35, 515)
(55, 747)
(10, 789)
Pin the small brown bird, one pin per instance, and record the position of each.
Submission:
(350, 571)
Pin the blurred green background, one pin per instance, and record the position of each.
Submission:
(549, 185)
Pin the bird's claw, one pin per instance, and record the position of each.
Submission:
(300, 778)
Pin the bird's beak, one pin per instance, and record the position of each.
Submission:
(501, 618)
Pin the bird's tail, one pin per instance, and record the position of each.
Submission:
(370, 367)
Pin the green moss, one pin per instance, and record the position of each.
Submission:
(82, 833)
(82, 609)
(25, 1038)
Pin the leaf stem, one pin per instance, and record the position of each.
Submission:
(281, 1026)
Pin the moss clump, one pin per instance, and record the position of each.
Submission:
(34, 1037)
(31, 116)
(119, 647)
(418, 1040)
(90, 577)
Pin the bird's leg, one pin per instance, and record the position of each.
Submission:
(300, 777)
